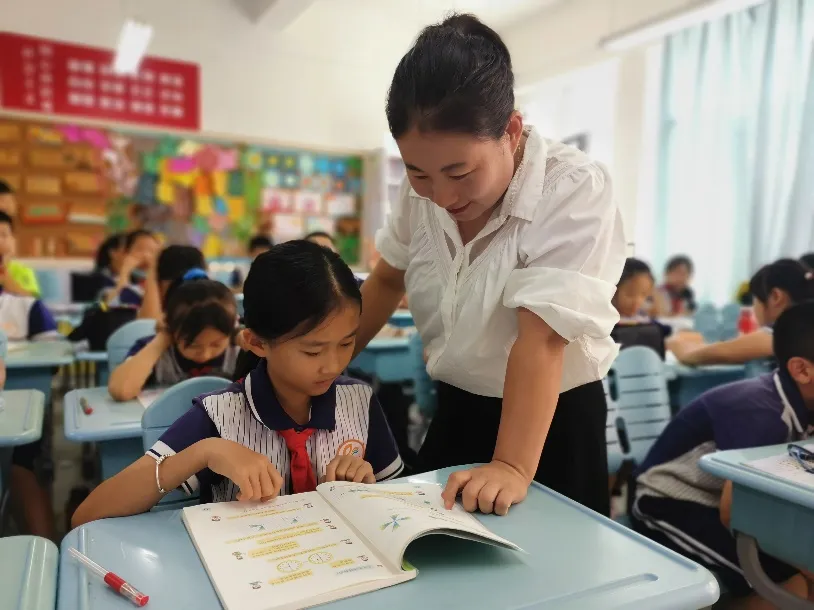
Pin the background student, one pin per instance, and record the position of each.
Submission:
(687, 510)
(675, 297)
(171, 265)
(321, 238)
(15, 277)
(125, 288)
(292, 421)
(774, 288)
(257, 246)
(195, 338)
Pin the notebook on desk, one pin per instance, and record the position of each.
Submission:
(308, 549)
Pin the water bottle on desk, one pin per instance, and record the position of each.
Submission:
(747, 323)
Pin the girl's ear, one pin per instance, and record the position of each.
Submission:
(250, 342)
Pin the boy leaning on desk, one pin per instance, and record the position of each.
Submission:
(683, 508)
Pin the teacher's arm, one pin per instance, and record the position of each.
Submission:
(571, 256)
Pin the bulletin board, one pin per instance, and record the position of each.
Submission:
(75, 184)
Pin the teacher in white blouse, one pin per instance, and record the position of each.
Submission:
(509, 247)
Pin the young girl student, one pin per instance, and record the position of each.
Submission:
(774, 288)
(291, 421)
(196, 339)
(140, 250)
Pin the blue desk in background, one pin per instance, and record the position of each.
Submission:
(577, 560)
(31, 365)
(114, 426)
(402, 318)
(21, 417)
(28, 573)
(692, 381)
(99, 359)
(386, 359)
(768, 512)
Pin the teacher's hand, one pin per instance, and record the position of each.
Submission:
(493, 487)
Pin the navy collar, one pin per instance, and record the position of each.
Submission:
(267, 410)
(795, 398)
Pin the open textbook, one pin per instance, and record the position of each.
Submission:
(313, 548)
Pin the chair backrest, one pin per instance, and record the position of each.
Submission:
(615, 456)
(756, 368)
(168, 407)
(648, 335)
(123, 338)
(642, 400)
(3, 345)
(50, 285)
(423, 385)
(708, 323)
(730, 314)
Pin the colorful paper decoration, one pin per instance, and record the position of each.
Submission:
(188, 148)
(234, 186)
(165, 192)
(252, 189)
(271, 178)
(203, 185)
(207, 158)
(253, 159)
(320, 223)
(150, 163)
(289, 162)
(145, 189)
(277, 200)
(308, 203)
(306, 164)
(339, 168)
(219, 183)
(204, 205)
(291, 180)
(287, 227)
(236, 208)
(199, 223)
(220, 206)
(227, 159)
(273, 160)
(181, 165)
(322, 165)
(340, 204)
(212, 246)
(218, 222)
(187, 180)
(354, 185)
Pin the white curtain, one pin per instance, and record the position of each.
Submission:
(735, 184)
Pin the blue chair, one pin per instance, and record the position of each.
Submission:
(50, 285)
(423, 386)
(707, 322)
(642, 400)
(123, 338)
(3, 345)
(167, 408)
(756, 368)
(730, 314)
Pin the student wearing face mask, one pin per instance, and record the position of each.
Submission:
(509, 247)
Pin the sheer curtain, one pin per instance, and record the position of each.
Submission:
(735, 184)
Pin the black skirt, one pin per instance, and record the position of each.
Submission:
(574, 460)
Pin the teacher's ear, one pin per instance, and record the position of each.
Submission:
(514, 130)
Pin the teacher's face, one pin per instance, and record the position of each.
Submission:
(463, 174)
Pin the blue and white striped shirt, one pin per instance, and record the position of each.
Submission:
(347, 420)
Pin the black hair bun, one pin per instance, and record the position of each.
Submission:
(467, 25)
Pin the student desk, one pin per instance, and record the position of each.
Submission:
(21, 416)
(693, 381)
(386, 359)
(576, 560)
(401, 318)
(30, 364)
(114, 426)
(28, 573)
(99, 359)
(775, 514)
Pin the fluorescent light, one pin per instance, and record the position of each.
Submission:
(133, 41)
(698, 12)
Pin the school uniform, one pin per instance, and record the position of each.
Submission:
(642, 331)
(681, 302)
(172, 367)
(131, 295)
(554, 246)
(677, 504)
(347, 419)
(25, 318)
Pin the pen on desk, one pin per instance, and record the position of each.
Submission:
(118, 584)
(86, 408)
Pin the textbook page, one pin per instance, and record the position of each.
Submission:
(291, 552)
(148, 397)
(785, 467)
(392, 516)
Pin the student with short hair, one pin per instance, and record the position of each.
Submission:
(321, 238)
(123, 289)
(196, 338)
(774, 288)
(291, 420)
(15, 277)
(686, 509)
(170, 265)
(258, 244)
(808, 260)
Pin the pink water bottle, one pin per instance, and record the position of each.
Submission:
(747, 322)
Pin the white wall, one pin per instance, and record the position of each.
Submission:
(320, 82)
(560, 48)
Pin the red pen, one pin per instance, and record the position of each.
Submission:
(86, 408)
(117, 583)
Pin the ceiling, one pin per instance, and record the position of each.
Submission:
(279, 14)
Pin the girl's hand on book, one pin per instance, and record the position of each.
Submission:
(493, 487)
(252, 472)
(349, 468)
